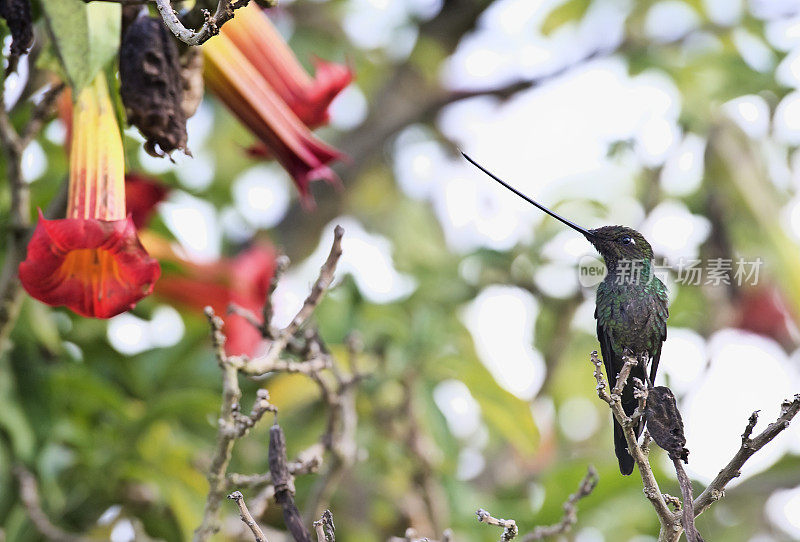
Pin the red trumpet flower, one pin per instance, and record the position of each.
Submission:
(261, 43)
(252, 98)
(243, 280)
(142, 195)
(92, 261)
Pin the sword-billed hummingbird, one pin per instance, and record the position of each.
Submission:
(631, 308)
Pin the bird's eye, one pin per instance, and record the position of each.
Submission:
(626, 240)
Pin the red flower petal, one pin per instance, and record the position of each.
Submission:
(239, 85)
(96, 268)
(142, 194)
(244, 281)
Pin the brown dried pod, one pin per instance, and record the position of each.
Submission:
(17, 14)
(151, 87)
(192, 80)
(664, 422)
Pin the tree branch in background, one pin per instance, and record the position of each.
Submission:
(337, 389)
(211, 26)
(247, 518)
(324, 527)
(29, 495)
(509, 526)
(585, 488)
(13, 145)
(510, 529)
(716, 489)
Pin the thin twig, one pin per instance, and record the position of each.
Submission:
(687, 514)
(266, 363)
(716, 489)
(29, 495)
(509, 526)
(324, 527)
(585, 488)
(226, 433)
(211, 26)
(247, 518)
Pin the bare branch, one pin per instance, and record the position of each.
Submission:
(29, 495)
(284, 485)
(687, 514)
(247, 518)
(39, 114)
(325, 528)
(570, 517)
(509, 526)
(716, 489)
(651, 489)
(226, 433)
(211, 26)
(267, 363)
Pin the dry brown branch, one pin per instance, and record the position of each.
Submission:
(324, 527)
(211, 26)
(585, 488)
(687, 514)
(716, 489)
(284, 485)
(267, 363)
(226, 434)
(337, 391)
(510, 529)
(29, 495)
(674, 523)
(651, 489)
(509, 526)
(247, 518)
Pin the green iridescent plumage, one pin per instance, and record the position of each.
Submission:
(631, 308)
(631, 313)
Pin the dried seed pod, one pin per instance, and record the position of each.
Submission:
(192, 80)
(151, 87)
(664, 422)
(17, 14)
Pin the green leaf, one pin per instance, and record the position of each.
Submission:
(571, 10)
(86, 36)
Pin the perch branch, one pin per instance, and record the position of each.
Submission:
(651, 489)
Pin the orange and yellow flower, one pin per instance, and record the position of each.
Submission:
(91, 261)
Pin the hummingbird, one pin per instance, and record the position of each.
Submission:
(631, 309)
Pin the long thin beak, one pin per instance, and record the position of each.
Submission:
(569, 223)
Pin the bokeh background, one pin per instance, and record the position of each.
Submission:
(679, 118)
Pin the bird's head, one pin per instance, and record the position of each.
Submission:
(617, 243)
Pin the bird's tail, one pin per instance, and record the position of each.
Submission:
(620, 444)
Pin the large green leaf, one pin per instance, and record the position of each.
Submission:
(86, 36)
